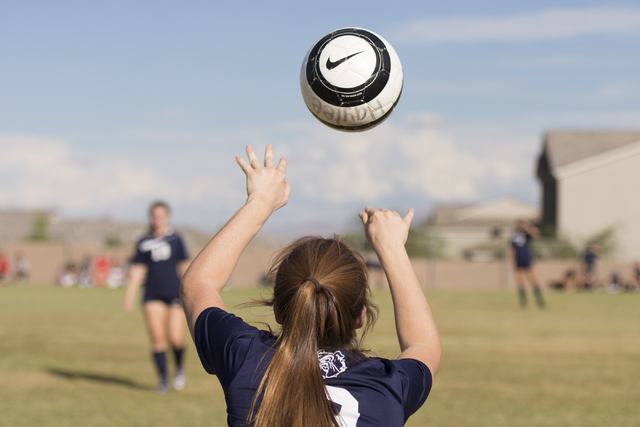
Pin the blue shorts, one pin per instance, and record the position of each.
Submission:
(524, 263)
(171, 300)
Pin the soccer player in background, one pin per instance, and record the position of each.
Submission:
(521, 240)
(159, 262)
(589, 261)
(313, 372)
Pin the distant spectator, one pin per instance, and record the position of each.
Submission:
(85, 275)
(22, 268)
(635, 275)
(101, 268)
(117, 275)
(567, 282)
(614, 283)
(68, 277)
(5, 267)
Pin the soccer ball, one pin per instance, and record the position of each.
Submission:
(351, 79)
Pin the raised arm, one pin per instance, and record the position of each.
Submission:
(531, 229)
(183, 266)
(418, 334)
(267, 191)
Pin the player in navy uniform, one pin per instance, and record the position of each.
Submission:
(159, 262)
(521, 247)
(589, 259)
(313, 372)
(635, 275)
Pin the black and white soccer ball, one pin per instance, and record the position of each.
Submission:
(351, 79)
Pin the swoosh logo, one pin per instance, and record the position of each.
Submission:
(331, 65)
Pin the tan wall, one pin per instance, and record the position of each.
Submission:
(459, 275)
(592, 200)
(47, 259)
(253, 265)
(44, 259)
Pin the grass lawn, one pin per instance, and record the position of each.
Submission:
(72, 357)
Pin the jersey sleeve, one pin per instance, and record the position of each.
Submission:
(417, 381)
(138, 257)
(181, 250)
(222, 341)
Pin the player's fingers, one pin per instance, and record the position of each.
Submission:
(244, 165)
(268, 156)
(409, 217)
(253, 159)
(363, 217)
(369, 210)
(282, 165)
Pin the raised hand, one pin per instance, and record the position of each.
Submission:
(267, 190)
(418, 335)
(266, 183)
(385, 229)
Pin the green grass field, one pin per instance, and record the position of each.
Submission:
(71, 357)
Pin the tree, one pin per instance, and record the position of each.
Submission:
(40, 228)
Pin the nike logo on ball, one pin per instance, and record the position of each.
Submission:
(331, 65)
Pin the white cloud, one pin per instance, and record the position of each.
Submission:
(40, 172)
(43, 172)
(408, 163)
(418, 158)
(543, 25)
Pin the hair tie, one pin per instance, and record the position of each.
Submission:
(315, 281)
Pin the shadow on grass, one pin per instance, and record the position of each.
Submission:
(101, 378)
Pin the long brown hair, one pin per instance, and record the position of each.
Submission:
(319, 292)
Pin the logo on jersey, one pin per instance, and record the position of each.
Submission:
(332, 364)
(160, 250)
(519, 239)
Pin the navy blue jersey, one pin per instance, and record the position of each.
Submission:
(369, 391)
(521, 243)
(590, 258)
(161, 255)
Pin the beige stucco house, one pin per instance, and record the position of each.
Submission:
(591, 182)
(473, 231)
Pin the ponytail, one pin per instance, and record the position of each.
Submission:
(293, 390)
(319, 293)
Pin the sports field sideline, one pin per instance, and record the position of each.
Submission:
(72, 357)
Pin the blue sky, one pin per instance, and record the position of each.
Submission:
(106, 106)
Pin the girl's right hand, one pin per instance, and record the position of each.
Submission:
(266, 184)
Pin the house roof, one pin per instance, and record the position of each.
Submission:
(502, 210)
(564, 148)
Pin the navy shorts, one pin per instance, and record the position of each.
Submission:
(524, 263)
(167, 299)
